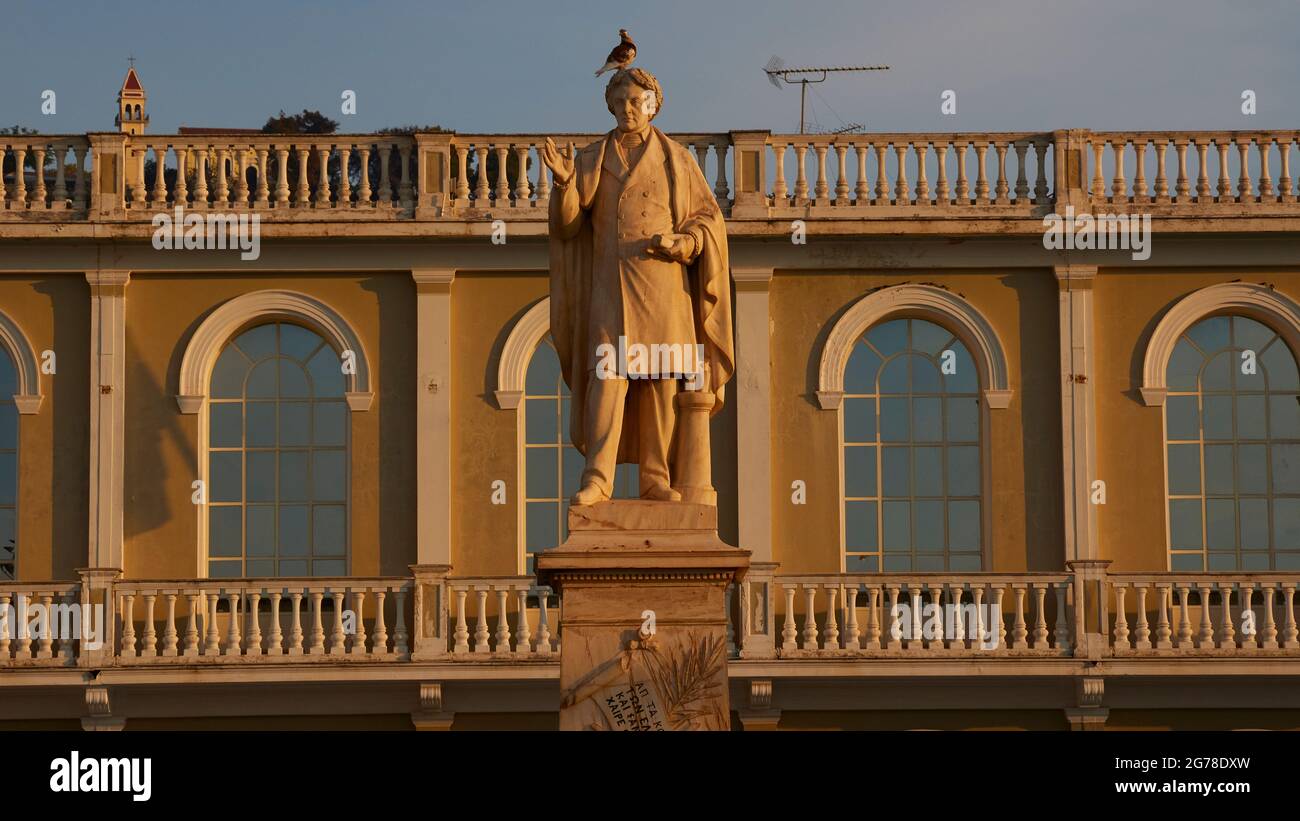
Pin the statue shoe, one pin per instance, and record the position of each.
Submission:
(589, 495)
(662, 493)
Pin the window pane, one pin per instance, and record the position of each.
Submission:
(1247, 334)
(293, 476)
(224, 471)
(1187, 562)
(326, 372)
(261, 424)
(8, 423)
(894, 420)
(897, 526)
(1182, 418)
(895, 471)
(543, 372)
(540, 421)
(542, 524)
(261, 382)
(928, 526)
(328, 567)
(963, 419)
(1216, 412)
(1284, 417)
(261, 530)
(1254, 524)
(859, 471)
(223, 531)
(1184, 367)
(1220, 524)
(1250, 417)
(927, 419)
(329, 530)
(1286, 468)
(929, 337)
(928, 480)
(1185, 523)
(860, 373)
(573, 465)
(893, 378)
(542, 473)
(889, 337)
(226, 425)
(925, 376)
(228, 374)
(1252, 474)
(1219, 474)
(331, 423)
(293, 380)
(964, 525)
(963, 471)
(258, 343)
(860, 525)
(261, 476)
(8, 375)
(1280, 365)
(965, 380)
(859, 420)
(1217, 375)
(1286, 524)
(1210, 334)
(1184, 469)
(329, 476)
(298, 342)
(294, 524)
(295, 424)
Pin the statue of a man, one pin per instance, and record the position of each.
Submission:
(638, 264)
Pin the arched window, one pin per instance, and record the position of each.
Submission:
(1232, 434)
(278, 456)
(912, 462)
(553, 467)
(8, 468)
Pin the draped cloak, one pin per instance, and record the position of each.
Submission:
(575, 249)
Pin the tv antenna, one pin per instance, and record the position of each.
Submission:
(776, 72)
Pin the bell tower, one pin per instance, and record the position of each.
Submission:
(131, 116)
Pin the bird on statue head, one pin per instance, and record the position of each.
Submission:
(622, 55)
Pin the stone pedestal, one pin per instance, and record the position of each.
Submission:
(644, 630)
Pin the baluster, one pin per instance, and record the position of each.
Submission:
(363, 188)
(128, 625)
(212, 646)
(23, 649)
(4, 191)
(221, 197)
(861, 189)
(503, 622)
(922, 183)
(169, 631)
(801, 175)
(1227, 634)
(379, 641)
(1040, 617)
(200, 181)
(405, 191)
(962, 147)
(779, 191)
(543, 625)
(1250, 629)
(523, 637)
(721, 189)
(317, 647)
(831, 634)
(295, 628)
(915, 597)
(851, 632)
(521, 177)
(241, 179)
(45, 642)
(873, 623)
(79, 199)
(400, 646)
(941, 190)
(1118, 184)
(191, 625)
(358, 647)
(981, 628)
(701, 156)
(4, 597)
(1205, 638)
(788, 633)
(1018, 631)
(1284, 180)
(482, 191)
(810, 618)
(19, 194)
(302, 197)
(462, 628)
(1203, 171)
(321, 198)
(894, 629)
(137, 188)
(1289, 632)
(1264, 146)
(730, 633)
(263, 193)
(1002, 188)
(149, 640)
(385, 184)
(821, 190)
(1243, 179)
(462, 175)
(1162, 182)
(275, 641)
(543, 190)
(959, 626)
(233, 637)
(841, 175)
(1098, 181)
(882, 175)
(481, 634)
(1140, 194)
(253, 642)
(1121, 623)
(1184, 187)
(66, 654)
(337, 636)
(1162, 618)
(502, 193)
(180, 190)
(982, 181)
(999, 590)
(902, 195)
(1269, 635)
(344, 199)
(1184, 620)
(60, 200)
(1041, 147)
(1142, 637)
(1225, 181)
(1022, 177)
(38, 165)
(1062, 622)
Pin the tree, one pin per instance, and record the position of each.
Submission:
(308, 122)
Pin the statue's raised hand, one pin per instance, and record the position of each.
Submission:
(561, 164)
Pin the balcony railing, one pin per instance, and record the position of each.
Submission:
(1082, 613)
(754, 174)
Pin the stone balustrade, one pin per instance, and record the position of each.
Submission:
(481, 610)
(40, 624)
(448, 177)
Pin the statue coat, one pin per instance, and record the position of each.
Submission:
(604, 283)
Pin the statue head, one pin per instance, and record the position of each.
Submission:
(634, 98)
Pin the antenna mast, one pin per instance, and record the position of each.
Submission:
(776, 72)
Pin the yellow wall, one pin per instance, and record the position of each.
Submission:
(54, 444)
(1025, 500)
(161, 449)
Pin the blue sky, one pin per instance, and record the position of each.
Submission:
(508, 66)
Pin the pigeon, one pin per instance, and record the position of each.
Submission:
(622, 55)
